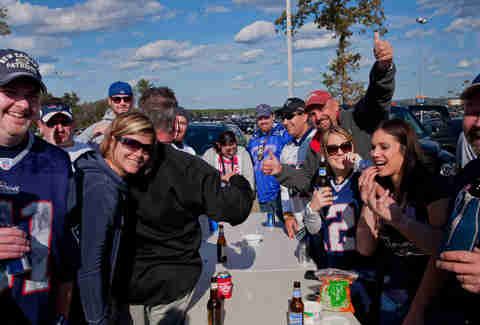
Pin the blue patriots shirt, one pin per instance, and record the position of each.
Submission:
(259, 147)
(34, 187)
(340, 225)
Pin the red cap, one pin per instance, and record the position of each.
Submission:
(317, 97)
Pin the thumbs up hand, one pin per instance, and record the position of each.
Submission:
(271, 165)
(382, 50)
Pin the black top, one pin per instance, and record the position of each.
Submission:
(167, 204)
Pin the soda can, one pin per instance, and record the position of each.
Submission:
(225, 286)
(22, 265)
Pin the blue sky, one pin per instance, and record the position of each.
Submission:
(226, 54)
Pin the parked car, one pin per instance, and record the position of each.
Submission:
(438, 160)
(444, 129)
(202, 135)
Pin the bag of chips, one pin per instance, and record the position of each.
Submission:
(334, 292)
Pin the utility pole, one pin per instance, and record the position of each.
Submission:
(289, 50)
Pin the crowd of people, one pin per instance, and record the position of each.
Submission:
(110, 220)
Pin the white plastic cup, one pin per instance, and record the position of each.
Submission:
(311, 312)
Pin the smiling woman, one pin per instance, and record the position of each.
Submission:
(125, 150)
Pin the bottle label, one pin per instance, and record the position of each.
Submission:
(295, 318)
(297, 293)
(322, 171)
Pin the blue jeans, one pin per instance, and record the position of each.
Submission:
(274, 206)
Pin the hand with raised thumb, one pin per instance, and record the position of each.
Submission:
(382, 50)
(271, 165)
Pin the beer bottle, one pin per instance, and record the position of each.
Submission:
(295, 309)
(221, 246)
(322, 175)
(214, 305)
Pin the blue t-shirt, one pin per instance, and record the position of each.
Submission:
(259, 147)
(34, 186)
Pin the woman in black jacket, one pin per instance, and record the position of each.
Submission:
(125, 150)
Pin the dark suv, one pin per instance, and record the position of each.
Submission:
(202, 135)
(437, 159)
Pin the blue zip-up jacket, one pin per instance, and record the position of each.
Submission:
(102, 223)
(267, 186)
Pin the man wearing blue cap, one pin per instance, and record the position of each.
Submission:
(269, 138)
(120, 99)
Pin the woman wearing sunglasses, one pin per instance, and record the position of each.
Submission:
(333, 211)
(404, 212)
(125, 151)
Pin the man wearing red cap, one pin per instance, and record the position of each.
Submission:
(361, 120)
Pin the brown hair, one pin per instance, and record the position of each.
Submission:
(126, 124)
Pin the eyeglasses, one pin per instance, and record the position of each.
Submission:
(288, 116)
(346, 147)
(64, 122)
(117, 100)
(134, 145)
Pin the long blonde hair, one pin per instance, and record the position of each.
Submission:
(126, 124)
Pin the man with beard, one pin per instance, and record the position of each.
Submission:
(56, 126)
(361, 120)
(471, 122)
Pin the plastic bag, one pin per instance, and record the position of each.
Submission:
(335, 292)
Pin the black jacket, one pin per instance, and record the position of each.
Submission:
(361, 121)
(167, 204)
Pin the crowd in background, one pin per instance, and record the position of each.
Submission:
(109, 220)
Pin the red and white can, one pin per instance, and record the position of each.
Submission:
(225, 286)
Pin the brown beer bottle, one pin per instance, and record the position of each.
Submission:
(214, 305)
(295, 309)
(322, 174)
(221, 246)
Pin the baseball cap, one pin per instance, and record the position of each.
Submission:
(263, 110)
(317, 97)
(292, 105)
(15, 64)
(120, 88)
(48, 111)
(470, 90)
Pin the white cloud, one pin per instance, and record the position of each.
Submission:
(251, 56)
(308, 70)
(217, 10)
(460, 74)
(464, 25)
(86, 16)
(326, 41)
(239, 78)
(47, 70)
(35, 45)
(242, 86)
(169, 50)
(222, 58)
(419, 32)
(464, 64)
(258, 31)
(130, 65)
(279, 84)
(457, 8)
(310, 30)
(169, 65)
(399, 22)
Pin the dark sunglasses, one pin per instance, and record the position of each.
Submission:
(288, 116)
(117, 100)
(346, 148)
(64, 122)
(134, 145)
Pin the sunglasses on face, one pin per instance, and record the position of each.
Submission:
(134, 145)
(346, 147)
(288, 116)
(63, 122)
(117, 100)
